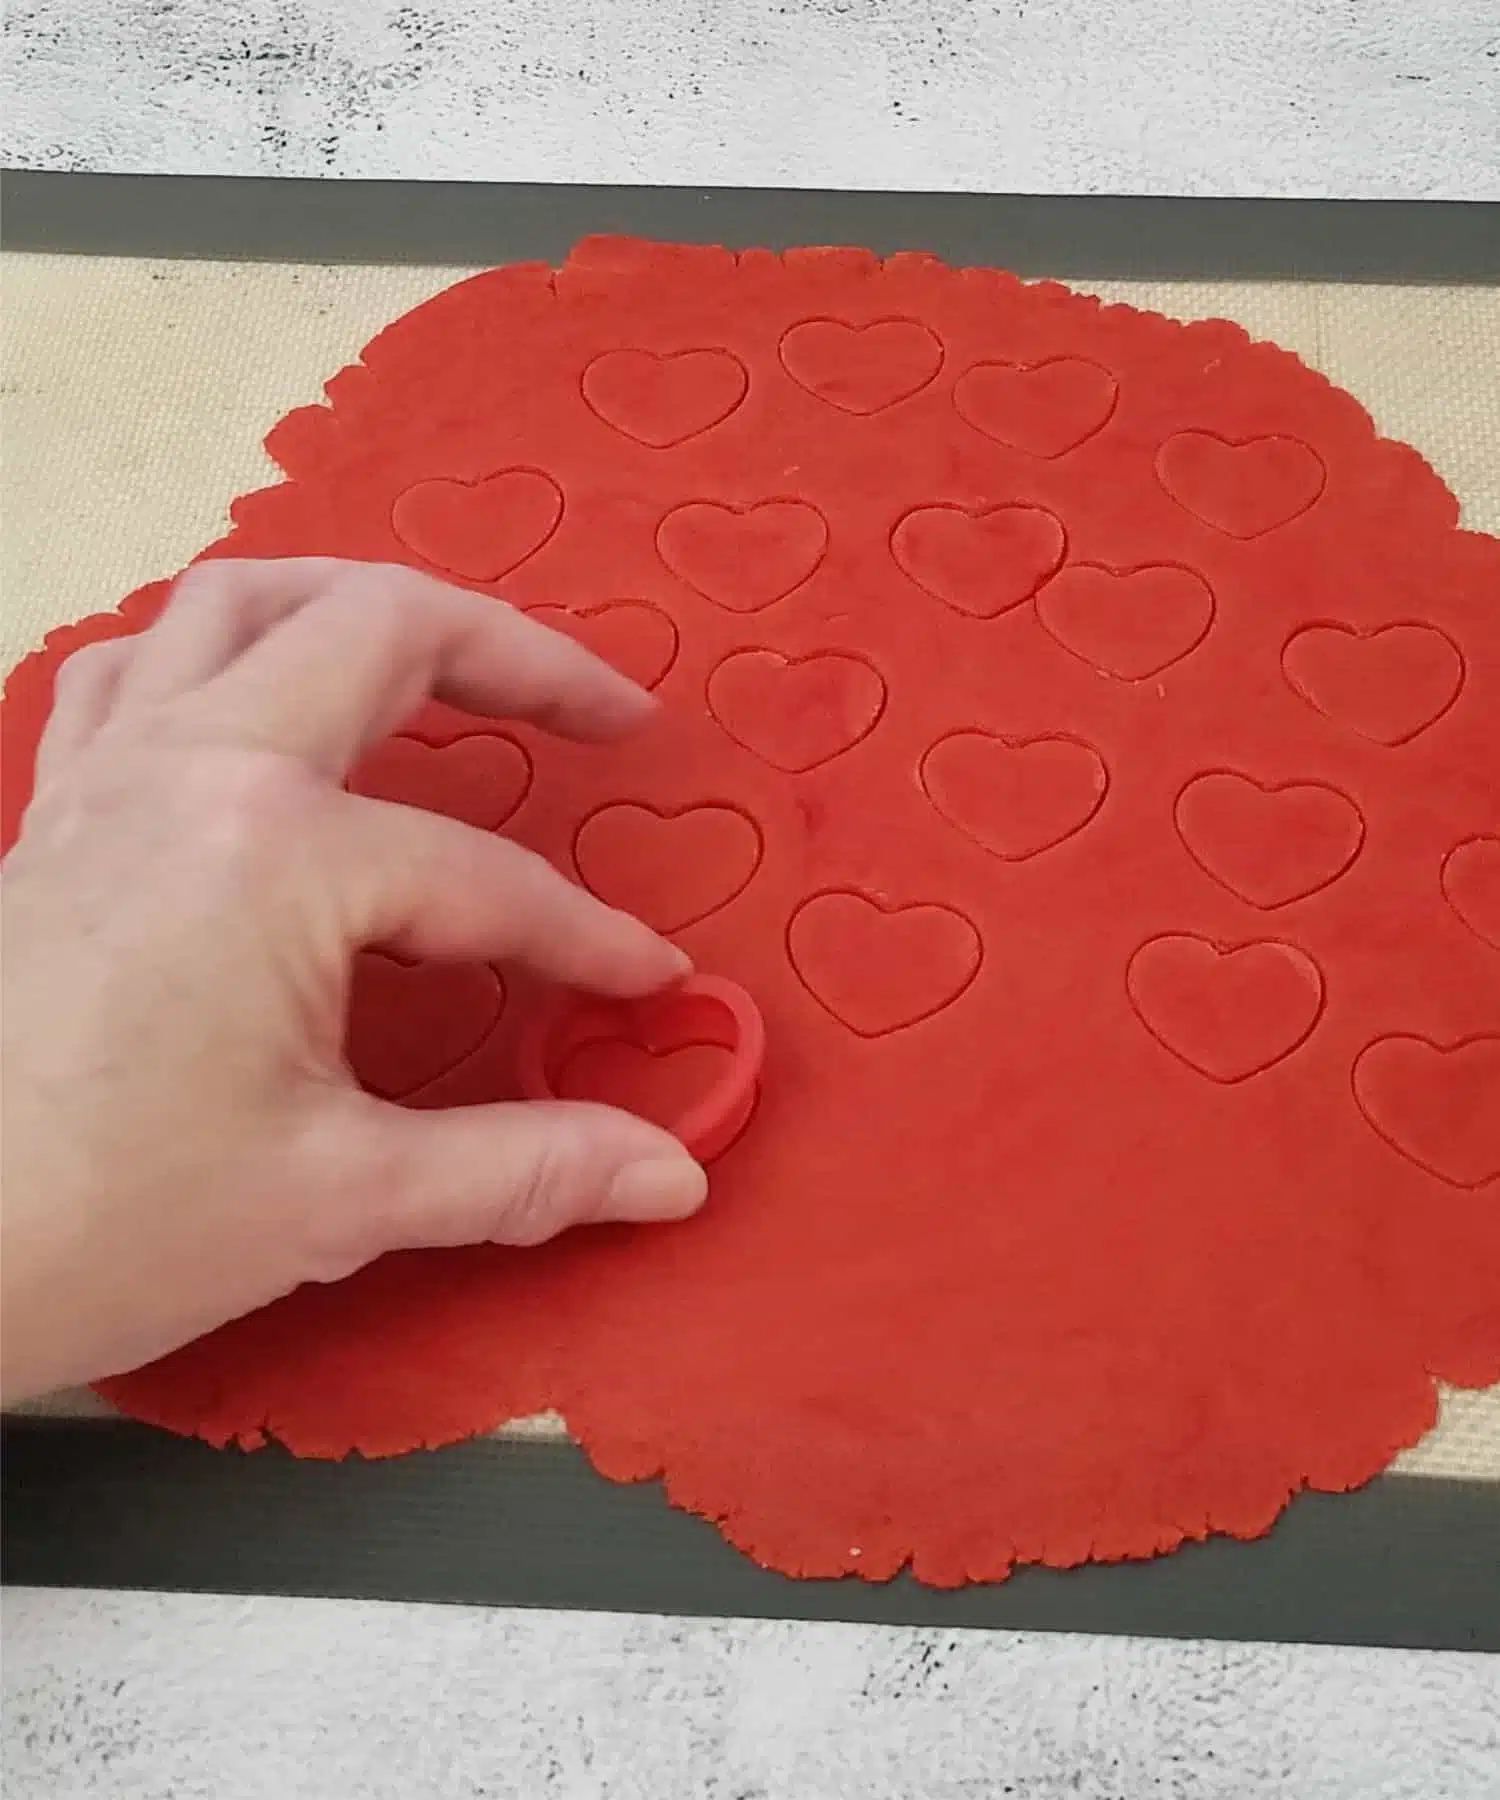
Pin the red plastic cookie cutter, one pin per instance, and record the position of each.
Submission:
(704, 1010)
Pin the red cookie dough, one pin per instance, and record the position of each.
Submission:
(1081, 736)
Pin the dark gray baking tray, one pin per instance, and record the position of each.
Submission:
(1404, 1562)
(467, 223)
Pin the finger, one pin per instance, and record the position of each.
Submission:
(515, 1173)
(427, 886)
(345, 669)
(83, 698)
(216, 611)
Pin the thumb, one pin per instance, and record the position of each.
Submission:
(520, 1172)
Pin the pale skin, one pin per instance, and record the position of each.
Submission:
(183, 1139)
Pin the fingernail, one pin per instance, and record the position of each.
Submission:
(662, 1187)
(683, 960)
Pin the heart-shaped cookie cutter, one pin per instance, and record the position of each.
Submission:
(703, 1010)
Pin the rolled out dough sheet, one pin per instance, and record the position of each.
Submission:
(135, 395)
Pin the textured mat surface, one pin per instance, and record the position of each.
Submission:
(136, 396)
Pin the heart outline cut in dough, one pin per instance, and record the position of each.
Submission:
(1355, 676)
(861, 369)
(1049, 788)
(1242, 487)
(1404, 1087)
(1224, 820)
(663, 398)
(743, 557)
(1226, 1011)
(714, 852)
(984, 561)
(1043, 409)
(931, 957)
(481, 529)
(1470, 880)
(796, 712)
(1086, 609)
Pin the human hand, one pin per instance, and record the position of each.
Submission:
(184, 1140)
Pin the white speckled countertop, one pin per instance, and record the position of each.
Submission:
(143, 1696)
(149, 1696)
(1354, 98)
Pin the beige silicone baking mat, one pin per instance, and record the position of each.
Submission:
(135, 395)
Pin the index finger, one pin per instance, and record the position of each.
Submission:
(345, 668)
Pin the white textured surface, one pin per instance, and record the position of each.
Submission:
(1290, 97)
(149, 1696)
(145, 1696)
